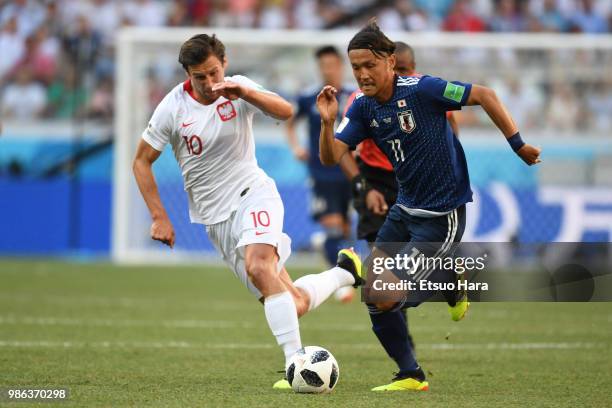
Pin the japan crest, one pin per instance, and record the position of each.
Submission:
(406, 121)
(226, 111)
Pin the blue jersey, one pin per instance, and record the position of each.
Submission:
(412, 130)
(307, 106)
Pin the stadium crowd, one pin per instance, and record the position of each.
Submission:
(58, 55)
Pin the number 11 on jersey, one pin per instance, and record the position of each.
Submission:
(397, 149)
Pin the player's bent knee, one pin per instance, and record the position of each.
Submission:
(260, 271)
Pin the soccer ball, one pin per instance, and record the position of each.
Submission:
(313, 370)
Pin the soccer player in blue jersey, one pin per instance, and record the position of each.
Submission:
(331, 192)
(406, 118)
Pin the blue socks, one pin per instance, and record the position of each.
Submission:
(333, 243)
(392, 332)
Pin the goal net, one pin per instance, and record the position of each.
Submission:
(549, 82)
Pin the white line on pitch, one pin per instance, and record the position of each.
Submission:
(244, 325)
(246, 346)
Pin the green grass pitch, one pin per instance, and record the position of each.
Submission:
(193, 336)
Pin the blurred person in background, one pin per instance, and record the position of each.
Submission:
(107, 19)
(67, 96)
(599, 103)
(508, 17)
(199, 11)
(146, 13)
(29, 13)
(83, 45)
(563, 108)
(178, 15)
(551, 19)
(462, 18)
(523, 99)
(24, 98)
(587, 20)
(12, 46)
(41, 65)
(101, 103)
(331, 192)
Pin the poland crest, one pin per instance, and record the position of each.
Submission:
(226, 111)
(406, 121)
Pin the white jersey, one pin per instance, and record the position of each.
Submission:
(213, 145)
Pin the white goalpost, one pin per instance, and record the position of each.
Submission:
(282, 61)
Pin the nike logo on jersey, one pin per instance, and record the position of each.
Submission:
(261, 233)
(187, 124)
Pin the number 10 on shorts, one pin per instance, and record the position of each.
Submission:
(260, 218)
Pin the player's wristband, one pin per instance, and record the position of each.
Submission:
(359, 185)
(516, 142)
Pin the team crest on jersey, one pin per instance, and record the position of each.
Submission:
(226, 111)
(406, 121)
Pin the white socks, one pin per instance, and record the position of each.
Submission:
(283, 321)
(320, 286)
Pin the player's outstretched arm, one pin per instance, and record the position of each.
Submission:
(161, 229)
(330, 148)
(487, 98)
(270, 103)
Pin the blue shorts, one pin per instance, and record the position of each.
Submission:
(403, 233)
(330, 197)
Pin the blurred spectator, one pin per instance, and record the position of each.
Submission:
(84, 44)
(178, 14)
(40, 62)
(100, 105)
(236, 13)
(551, 19)
(414, 19)
(563, 109)
(29, 13)
(107, 19)
(436, 8)
(146, 13)
(273, 14)
(587, 20)
(306, 15)
(199, 11)
(48, 46)
(507, 17)
(67, 97)
(24, 98)
(462, 18)
(523, 100)
(390, 19)
(600, 106)
(53, 21)
(12, 46)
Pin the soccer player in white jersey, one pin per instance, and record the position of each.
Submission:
(208, 122)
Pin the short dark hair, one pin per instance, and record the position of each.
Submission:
(401, 46)
(198, 48)
(372, 38)
(327, 50)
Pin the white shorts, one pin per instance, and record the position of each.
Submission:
(258, 220)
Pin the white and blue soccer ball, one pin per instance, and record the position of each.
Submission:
(313, 370)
